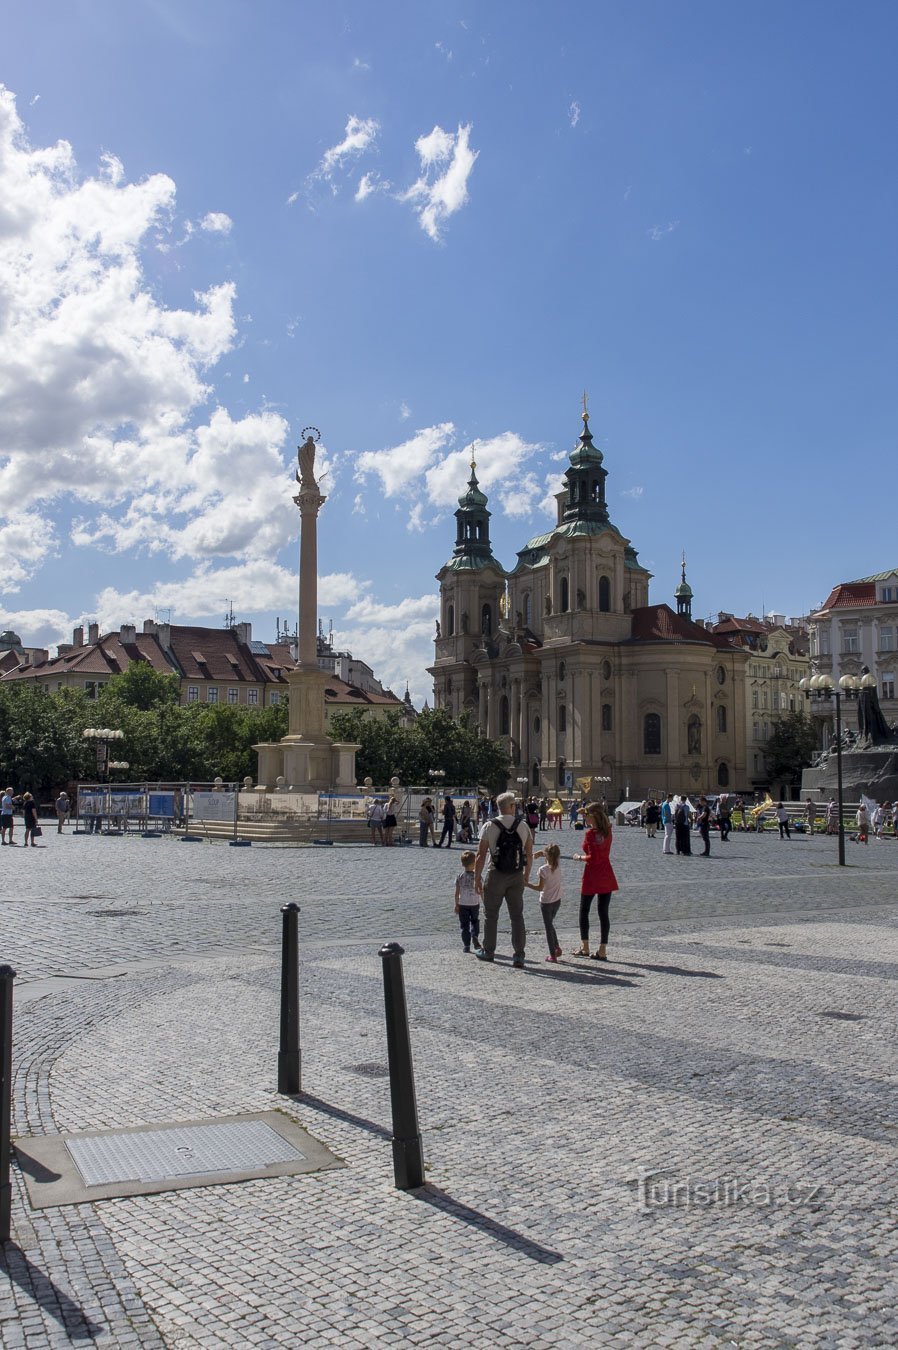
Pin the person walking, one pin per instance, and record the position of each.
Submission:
(599, 881)
(467, 903)
(376, 821)
(29, 810)
(466, 824)
(652, 816)
(390, 821)
(426, 823)
(506, 851)
(724, 819)
(811, 815)
(862, 820)
(782, 816)
(448, 830)
(62, 811)
(703, 820)
(667, 820)
(7, 820)
(832, 817)
(549, 887)
(878, 820)
(681, 826)
(543, 812)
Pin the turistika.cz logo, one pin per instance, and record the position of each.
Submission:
(664, 1189)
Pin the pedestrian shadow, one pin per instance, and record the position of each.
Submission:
(35, 1169)
(673, 970)
(337, 1113)
(438, 1199)
(48, 1296)
(582, 976)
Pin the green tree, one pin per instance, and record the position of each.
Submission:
(791, 747)
(436, 740)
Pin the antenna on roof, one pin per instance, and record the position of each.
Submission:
(230, 621)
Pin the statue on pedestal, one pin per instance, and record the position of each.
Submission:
(871, 724)
(306, 474)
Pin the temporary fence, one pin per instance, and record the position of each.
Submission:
(119, 808)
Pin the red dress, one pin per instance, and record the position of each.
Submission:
(598, 874)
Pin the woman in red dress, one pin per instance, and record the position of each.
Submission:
(598, 881)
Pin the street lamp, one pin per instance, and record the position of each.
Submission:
(821, 688)
(437, 774)
(102, 736)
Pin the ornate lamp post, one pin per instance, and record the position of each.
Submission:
(102, 737)
(821, 688)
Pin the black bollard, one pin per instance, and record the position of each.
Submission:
(408, 1157)
(289, 1056)
(7, 975)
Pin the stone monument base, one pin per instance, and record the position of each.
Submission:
(319, 765)
(871, 772)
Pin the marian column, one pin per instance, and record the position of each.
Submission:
(307, 758)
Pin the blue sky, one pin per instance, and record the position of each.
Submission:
(420, 224)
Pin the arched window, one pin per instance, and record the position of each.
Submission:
(503, 715)
(607, 721)
(694, 735)
(564, 595)
(723, 776)
(528, 609)
(479, 530)
(534, 777)
(562, 717)
(604, 595)
(486, 621)
(722, 717)
(450, 621)
(651, 734)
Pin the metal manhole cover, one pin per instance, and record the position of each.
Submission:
(369, 1070)
(71, 1169)
(844, 1017)
(115, 913)
(156, 1155)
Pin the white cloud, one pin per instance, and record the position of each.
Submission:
(252, 587)
(405, 463)
(442, 188)
(405, 611)
(573, 113)
(216, 222)
(359, 136)
(404, 411)
(369, 183)
(632, 492)
(39, 627)
(359, 64)
(396, 644)
(101, 383)
(446, 51)
(659, 231)
(34, 99)
(430, 474)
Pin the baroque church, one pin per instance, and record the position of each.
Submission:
(564, 659)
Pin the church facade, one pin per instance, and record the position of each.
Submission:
(564, 659)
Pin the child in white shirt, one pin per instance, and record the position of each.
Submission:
(549, 887)
(467, 903)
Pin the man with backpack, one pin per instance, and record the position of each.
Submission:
(506, 850)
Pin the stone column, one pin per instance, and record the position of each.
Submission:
(514, 723)
(310, 502)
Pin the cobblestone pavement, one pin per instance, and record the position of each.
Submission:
(694, 1145)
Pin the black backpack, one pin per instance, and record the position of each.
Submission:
(509, 855)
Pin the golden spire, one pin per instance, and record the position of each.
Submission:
(473, 460)
(585, 413)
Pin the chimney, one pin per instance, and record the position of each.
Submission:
(127, 633)
(64, 648)
(78, 637)
(149, 625)
(244, 632)
(163, 635)
(93, 634)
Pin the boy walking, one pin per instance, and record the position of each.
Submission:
(467, 903)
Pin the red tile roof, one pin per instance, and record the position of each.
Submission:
(213, 654)
(850, 594)
(659, 623)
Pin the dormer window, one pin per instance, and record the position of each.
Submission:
(889, 594)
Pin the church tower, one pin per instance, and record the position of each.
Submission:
(584, 498)
(472, 587)
(683, 594)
